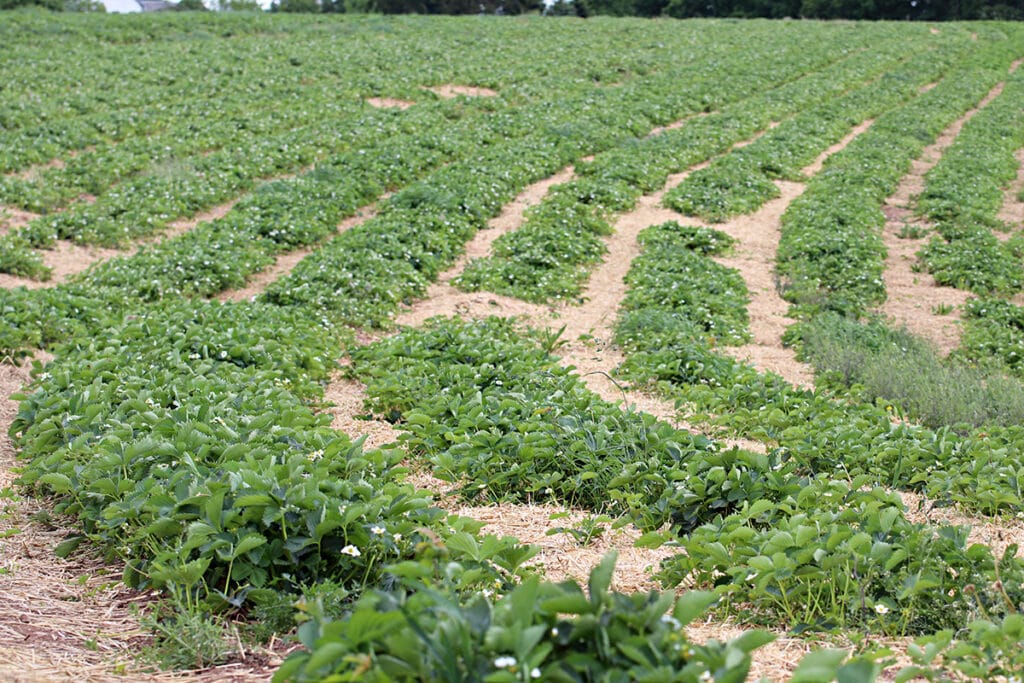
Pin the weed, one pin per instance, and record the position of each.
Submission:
(913, 231)
(184, 638)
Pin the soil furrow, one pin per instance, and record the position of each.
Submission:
(914, 300)
(451, 90)
(285, 262)
(995, 533)
(758, 236)
(12, 218)
(388, 103)
(67, 258)
(68, 619)
(1012, 211)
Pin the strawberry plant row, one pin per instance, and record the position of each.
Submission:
(993, 332)
(550, 256)
(831, 253)
(669, 345)
(187, 445)
(963, 194)
(672, 284)
(493, 412)
(361, 276)
(539, 630)
(977, 469)
(838, 554)
(741, 181)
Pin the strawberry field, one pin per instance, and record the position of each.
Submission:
(510, 349)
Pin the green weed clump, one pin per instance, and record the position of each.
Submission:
(893, 367)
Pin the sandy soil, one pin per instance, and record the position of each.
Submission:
(285, 262)
(676, 124)
(33, 173)
(758, 236)
(915, 300)
(997, 534)
(450, 90)
(46, 631)
(66, 259)
(12, 218)
(388, 103)
(1013, 208)
(183, 225)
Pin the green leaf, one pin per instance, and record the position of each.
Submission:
(324, 655)
(575, 603)
(601, 578)
(464, 543)
(68, 546)
(820, 666)
(692, 605)
(652, 539)
(858, 671)
(751, 640)
(58, 482)
(248, 543)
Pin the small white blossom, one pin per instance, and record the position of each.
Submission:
(881, 609)
(554, 631)
(378, 530)
(535, 673)
(351, 550)
(706, 676)
(671, 621)
(504, 662)
(397, 537)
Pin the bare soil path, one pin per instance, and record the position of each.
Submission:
(388, 103)
(12, 218)
(451, 90)
(1012, 211)
(67, 620)
(915, 301)
(758, 236)
(285, 262)
(67, 259)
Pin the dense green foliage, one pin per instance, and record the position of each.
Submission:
(189, 439)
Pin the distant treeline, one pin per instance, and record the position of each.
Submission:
(923, 10)
(920, 10)
(899, 10)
